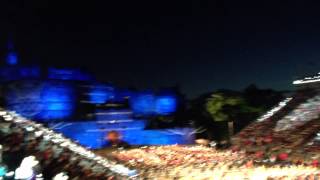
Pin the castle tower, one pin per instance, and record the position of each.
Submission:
(12, 56)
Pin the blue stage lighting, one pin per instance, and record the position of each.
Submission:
(100, 94)
(57, 100)
(29, 72)
(142, 104)
(68, 74)
(165, 105)
(92, 134)
(12, 58)
(42, 100)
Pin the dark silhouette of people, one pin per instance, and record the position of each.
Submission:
(114, 140)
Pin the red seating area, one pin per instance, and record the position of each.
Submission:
(295, 138)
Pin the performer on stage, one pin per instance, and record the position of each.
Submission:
(114, 140)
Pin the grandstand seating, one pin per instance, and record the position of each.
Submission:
(292, 129)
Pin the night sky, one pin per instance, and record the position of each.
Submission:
(199, 45)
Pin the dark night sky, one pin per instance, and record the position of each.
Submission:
(200, 45)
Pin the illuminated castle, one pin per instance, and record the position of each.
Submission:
(74, 103)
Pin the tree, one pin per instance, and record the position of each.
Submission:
(223, 108)
(213, 111)
(217, 102)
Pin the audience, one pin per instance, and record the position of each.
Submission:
(22, 141)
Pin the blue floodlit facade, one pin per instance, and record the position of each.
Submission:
(57, 96)
(100, 94)
(166, 105)
(16, 73)
(58, 101)
(12, 58)
(92, 134)
(143, 103)
(68, 74)
(147, 103)
(43, 101)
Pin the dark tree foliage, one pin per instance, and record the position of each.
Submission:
(214, 110)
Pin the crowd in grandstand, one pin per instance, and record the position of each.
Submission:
(287, 134)
(304, 113)
(199, 162)
(54, 155)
